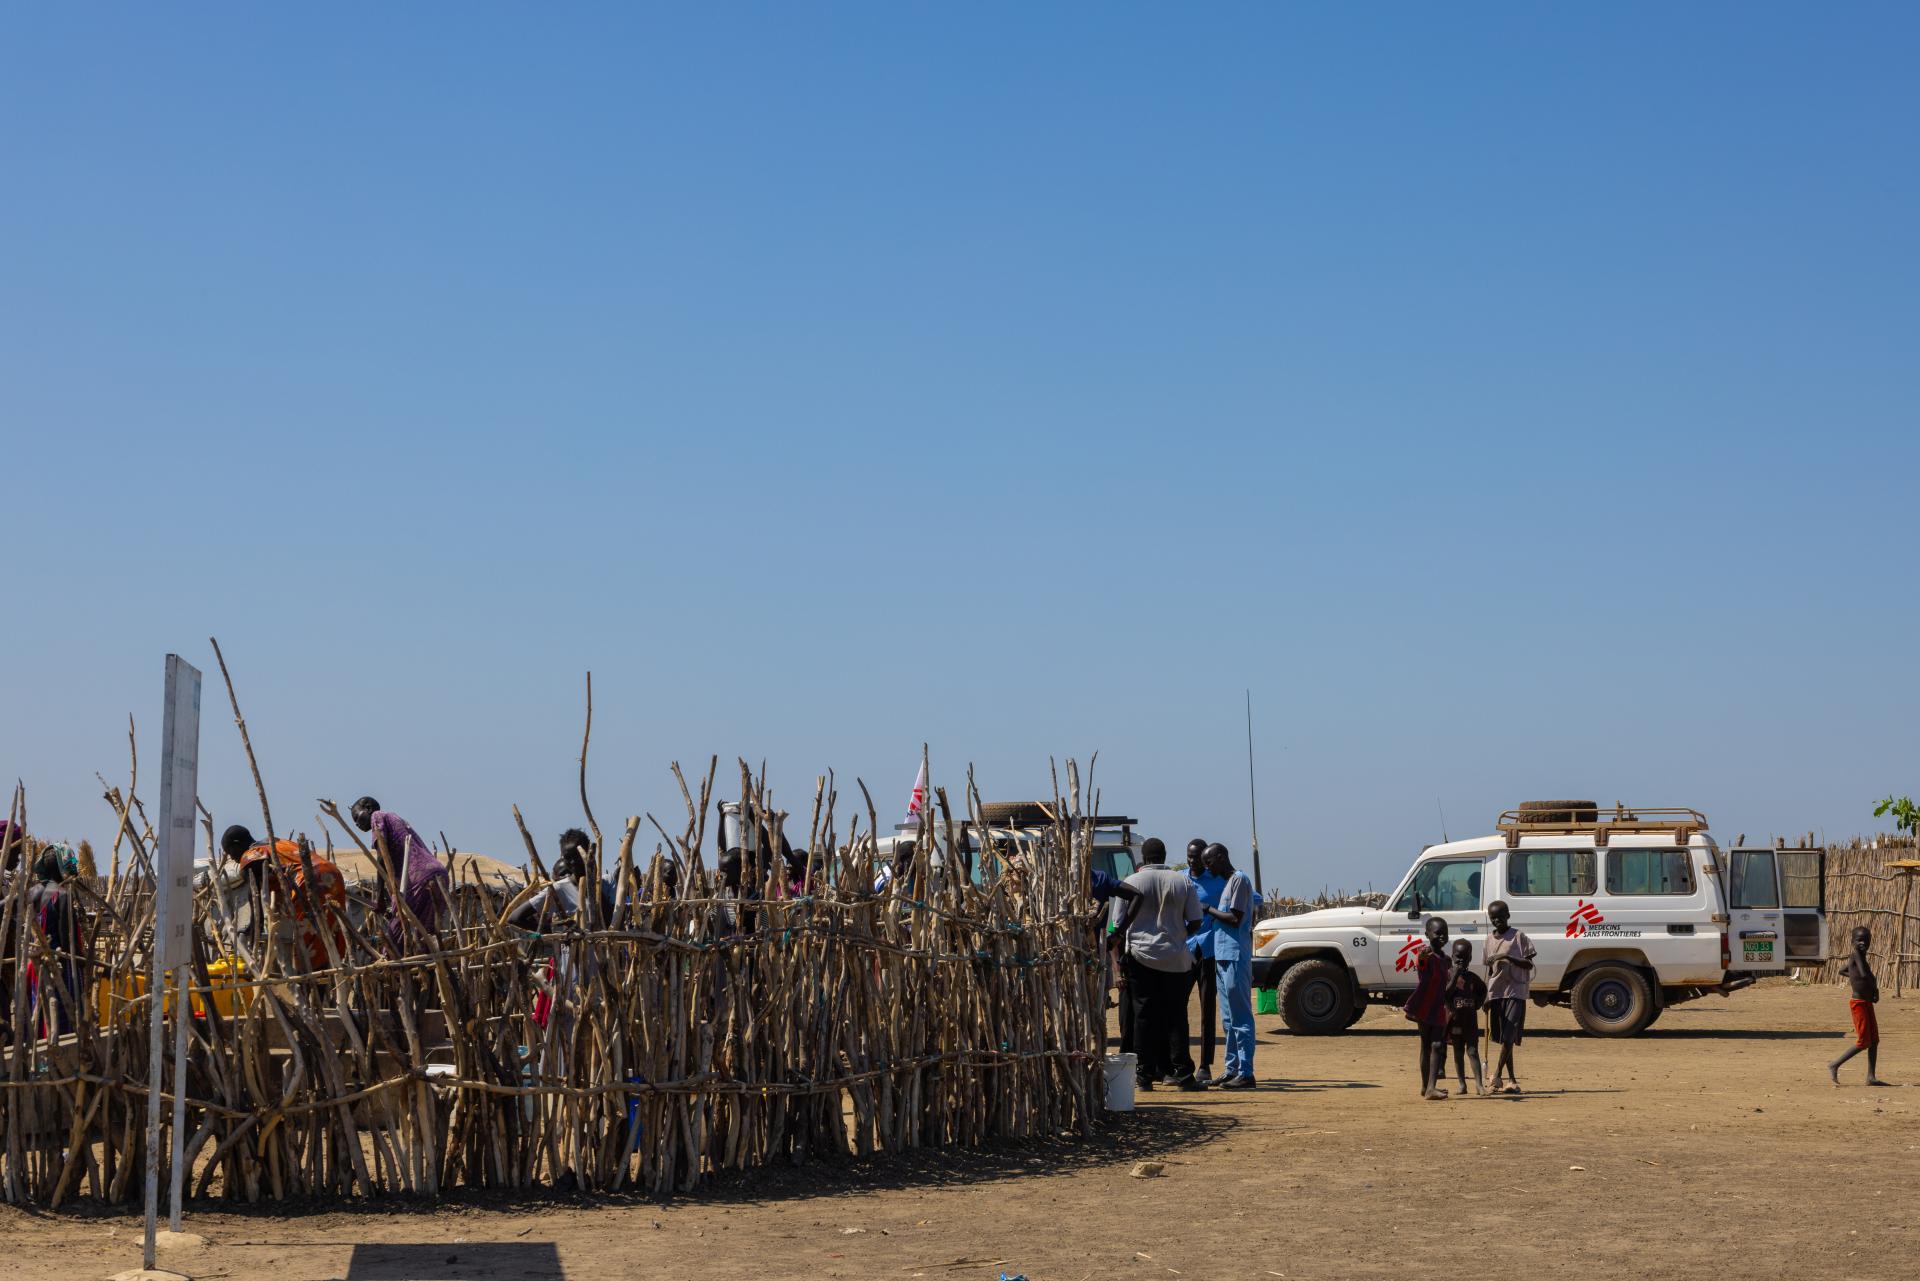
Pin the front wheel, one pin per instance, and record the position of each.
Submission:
(1316, 998)
(1612, 1000)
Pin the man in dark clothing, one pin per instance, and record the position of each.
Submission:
(1864, 995)
(1157, 962)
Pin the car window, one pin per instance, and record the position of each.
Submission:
(1540, 872)
(1444, 885)
(1801, 882)
(1118, 860)
(1649, 871)
(1753, 880)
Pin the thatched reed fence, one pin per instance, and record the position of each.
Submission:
(1278, 904)
(687, 1034)
(1863, 890)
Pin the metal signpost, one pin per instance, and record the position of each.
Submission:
(173, 924)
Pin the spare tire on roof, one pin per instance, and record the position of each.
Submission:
(1558, 811)
(1014, 813)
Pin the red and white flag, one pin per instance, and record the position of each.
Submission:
(918, 804)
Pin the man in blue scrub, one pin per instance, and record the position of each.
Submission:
(1232, 918)
(1207, 886)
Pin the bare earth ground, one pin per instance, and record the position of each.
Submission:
(1711, 1147)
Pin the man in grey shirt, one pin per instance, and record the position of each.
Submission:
(1157, 961)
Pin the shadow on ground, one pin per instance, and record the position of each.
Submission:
(466, 1261)
(1120, 1138)
(1655, 1033)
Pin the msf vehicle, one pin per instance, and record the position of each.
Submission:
(1632, 911)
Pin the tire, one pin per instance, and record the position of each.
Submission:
(1359, 1009)
(1558, 811)
(1015, 813)
(1612, 1000)
(1316, 998)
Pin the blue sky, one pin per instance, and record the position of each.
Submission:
(1518, 400)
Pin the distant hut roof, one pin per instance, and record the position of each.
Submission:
(356, 868)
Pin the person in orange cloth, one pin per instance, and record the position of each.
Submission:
(1864, 994)
(284, 873)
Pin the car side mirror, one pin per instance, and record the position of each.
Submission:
(1415, 914)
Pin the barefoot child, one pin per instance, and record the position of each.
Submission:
(1865, 993)
(1466, 993)
(1509, 958)
(1427, 1007)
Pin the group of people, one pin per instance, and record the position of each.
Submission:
(52, 910)
(1177, 933)
(1174, 932)
(298, 880)
(1448, 998)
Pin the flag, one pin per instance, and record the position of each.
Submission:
(917, 806)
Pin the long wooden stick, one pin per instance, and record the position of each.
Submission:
(260, 788)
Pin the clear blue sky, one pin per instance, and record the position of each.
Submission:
(1520, 400)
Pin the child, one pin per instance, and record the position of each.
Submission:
(1509, 960)
(1865, 993)
(1427, 1007)
(1466, 993)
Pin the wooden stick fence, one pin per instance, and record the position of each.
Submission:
(1862, 890)
(685, 1035)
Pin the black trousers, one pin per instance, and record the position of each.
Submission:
(1160, 1020)
(1207, 984)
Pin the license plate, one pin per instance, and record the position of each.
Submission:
(1760, 950)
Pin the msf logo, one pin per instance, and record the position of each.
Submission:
(1409, 953)
(1584, 916)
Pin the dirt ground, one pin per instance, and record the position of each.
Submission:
(1710, 1147)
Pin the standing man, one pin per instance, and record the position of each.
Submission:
(421, 878)
(1158, 967)
(1509, 958)
(1233, 963)
(1205, 981)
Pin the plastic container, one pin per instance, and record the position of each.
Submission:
(1120, 1070)
(1266, 1000)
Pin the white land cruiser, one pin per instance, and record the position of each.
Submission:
(1631, 912)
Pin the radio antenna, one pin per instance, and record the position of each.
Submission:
(1253, 810)
(1444, 838)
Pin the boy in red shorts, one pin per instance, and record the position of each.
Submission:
(1865, 992)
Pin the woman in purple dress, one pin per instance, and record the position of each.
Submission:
(421, 877)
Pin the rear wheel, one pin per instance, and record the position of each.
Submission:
(1316, 998)
(1612, 1000)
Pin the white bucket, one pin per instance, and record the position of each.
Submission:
(1120, 1070)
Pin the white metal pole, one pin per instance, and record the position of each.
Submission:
(156, 1056)
(172, 924)
(182, 1011)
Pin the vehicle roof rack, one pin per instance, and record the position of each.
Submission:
(1679, 821)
